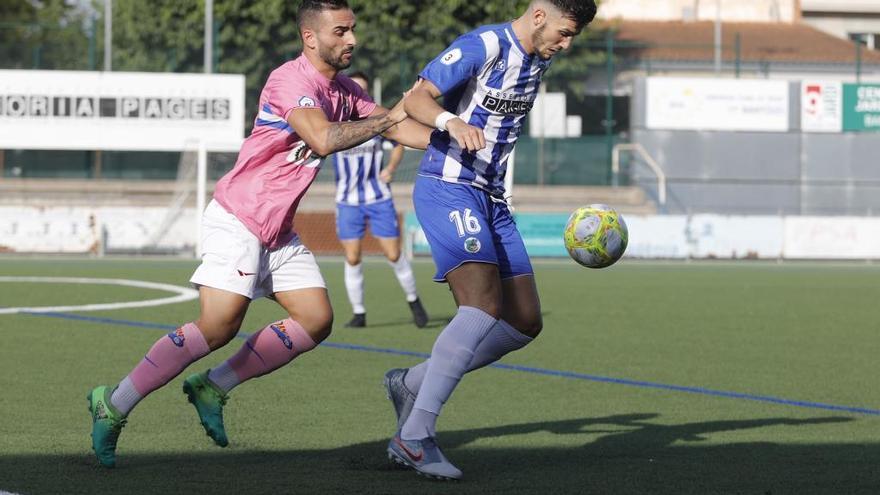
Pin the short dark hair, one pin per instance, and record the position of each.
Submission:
(308, 9)
(359, 74)
(582, 12)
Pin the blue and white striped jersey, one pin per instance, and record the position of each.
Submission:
(357, 174)
(489, 82)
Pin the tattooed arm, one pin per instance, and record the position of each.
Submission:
(325, 137)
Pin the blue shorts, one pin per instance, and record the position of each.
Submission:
(351, 221)
(463, 224)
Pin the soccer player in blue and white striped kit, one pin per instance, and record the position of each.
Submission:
(363, 194)
(489, 79)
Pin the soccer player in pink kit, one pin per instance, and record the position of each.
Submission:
(307, 110)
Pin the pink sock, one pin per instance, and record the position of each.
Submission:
(166, 359)
(270, 349)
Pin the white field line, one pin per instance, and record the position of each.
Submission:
(183, 294)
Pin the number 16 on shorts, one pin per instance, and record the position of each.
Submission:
(465, 223)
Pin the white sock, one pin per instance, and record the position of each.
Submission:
(354, 284)
(224, 377)
(502, 340)
(404, 273)
(452, 352)
(125, 397)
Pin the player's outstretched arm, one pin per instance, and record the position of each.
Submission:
(408, 132)
(422, 106)
(325, 137)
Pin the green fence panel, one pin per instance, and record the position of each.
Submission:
(861, 107)
(541, 233)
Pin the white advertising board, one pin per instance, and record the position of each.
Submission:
(832, 237)
(717, 104)
(822, 106)
(120, 110)
(733, 237)
(547, 117)
(79, 229)
(657, 236)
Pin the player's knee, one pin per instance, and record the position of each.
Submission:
(218, 334)
(393, 256)
(533, 326)
(528, 325)
(353, 259)
(318, 324)
(323, 322)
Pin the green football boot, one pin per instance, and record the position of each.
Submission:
(107, 423)
(208, 400)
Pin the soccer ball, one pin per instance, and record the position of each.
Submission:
(596, 236)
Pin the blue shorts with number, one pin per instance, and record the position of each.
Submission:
(463, 224)
(351, 220)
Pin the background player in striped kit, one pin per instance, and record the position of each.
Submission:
(489, 79)
(363, 194)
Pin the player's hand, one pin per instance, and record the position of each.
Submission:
(468, 137)
(386, 176)
(397, 113)
(414, 87)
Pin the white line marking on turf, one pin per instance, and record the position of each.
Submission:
(183, 294)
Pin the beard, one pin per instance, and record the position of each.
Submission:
(335, 60)
(538, 42)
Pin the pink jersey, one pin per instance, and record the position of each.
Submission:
(275, 167)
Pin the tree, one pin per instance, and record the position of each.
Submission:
(396, 38)
(51, 34)
(253, 37)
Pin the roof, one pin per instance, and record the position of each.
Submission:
(759, 42)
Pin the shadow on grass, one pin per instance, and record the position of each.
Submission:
(623, 454)
(434, 322)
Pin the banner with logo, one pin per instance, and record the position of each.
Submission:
(821, 106)
(717, 104)
(120, 110)
(861, 107)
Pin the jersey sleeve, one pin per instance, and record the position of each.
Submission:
(362, 103)
(463, 60)
(289, 93)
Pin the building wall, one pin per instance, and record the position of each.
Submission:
(841, 6)
(842, 26)
(759, 173)
(677, 10)
(842, 17)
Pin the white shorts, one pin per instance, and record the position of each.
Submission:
(234, 260)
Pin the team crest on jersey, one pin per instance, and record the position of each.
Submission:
(451, 57)
(299, 154)
(472, 245)
(305, 101)
(501, 66)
